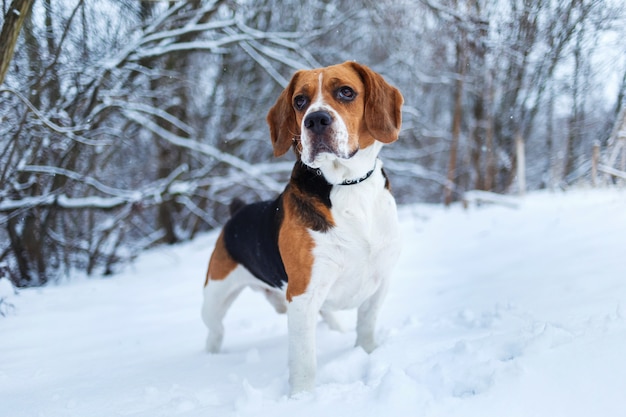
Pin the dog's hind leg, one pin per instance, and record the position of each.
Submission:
(218, 297)
(366, 318)
(331, 320)
(277, 300)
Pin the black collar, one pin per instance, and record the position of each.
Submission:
(358, 180)
(318, 172)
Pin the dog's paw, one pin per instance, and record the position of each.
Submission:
(368, 344)
(301, 389)
(213, 343)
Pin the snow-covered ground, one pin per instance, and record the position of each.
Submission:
(493, 311)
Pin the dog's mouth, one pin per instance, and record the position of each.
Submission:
(325, 154)
(320, 149)
(320, 146)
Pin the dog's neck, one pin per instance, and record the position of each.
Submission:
(360, 167)
(360, 180)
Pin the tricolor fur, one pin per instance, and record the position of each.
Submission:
(329, 241)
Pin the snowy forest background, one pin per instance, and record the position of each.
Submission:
(127, 124)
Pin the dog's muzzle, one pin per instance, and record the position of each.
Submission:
(321, 136)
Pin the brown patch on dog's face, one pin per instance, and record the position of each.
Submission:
(221, 263)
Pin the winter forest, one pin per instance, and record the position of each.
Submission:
(126, 124)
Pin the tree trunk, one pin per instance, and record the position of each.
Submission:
(477, 139)
(490, 167)
(520, 158)
(13, 21)
(456, 125)
(575, 122)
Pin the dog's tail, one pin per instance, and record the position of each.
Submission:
(235, 205)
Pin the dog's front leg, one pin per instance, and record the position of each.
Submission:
(302, 314)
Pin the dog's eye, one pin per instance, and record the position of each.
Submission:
(346, 94)
(300, 102)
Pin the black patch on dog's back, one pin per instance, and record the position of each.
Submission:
(251, 234)
(251, 238)
(235, 205)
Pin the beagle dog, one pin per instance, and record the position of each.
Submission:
(330, 240)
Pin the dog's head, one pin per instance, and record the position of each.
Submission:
(334, 112)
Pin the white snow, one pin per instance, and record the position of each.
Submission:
(493, 311)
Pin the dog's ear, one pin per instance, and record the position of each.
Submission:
(282, 120)
(383, 105)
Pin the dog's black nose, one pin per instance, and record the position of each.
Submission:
(318, 121)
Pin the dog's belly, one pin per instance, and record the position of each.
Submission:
(357, 255)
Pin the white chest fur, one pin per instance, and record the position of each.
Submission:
(355, 257)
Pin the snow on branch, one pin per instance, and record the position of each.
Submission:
(612, 171)
(258, 52)
(416, 170)
(60, 201)
(165, 16)
(205, 149)
(153, 193)
(69, 132)
(125, 194)
(187, 29)
(193, 207)
(281, 39)
(215, 46)
(467, 21)
(264, 63)
(9, 205)
(156, 112)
